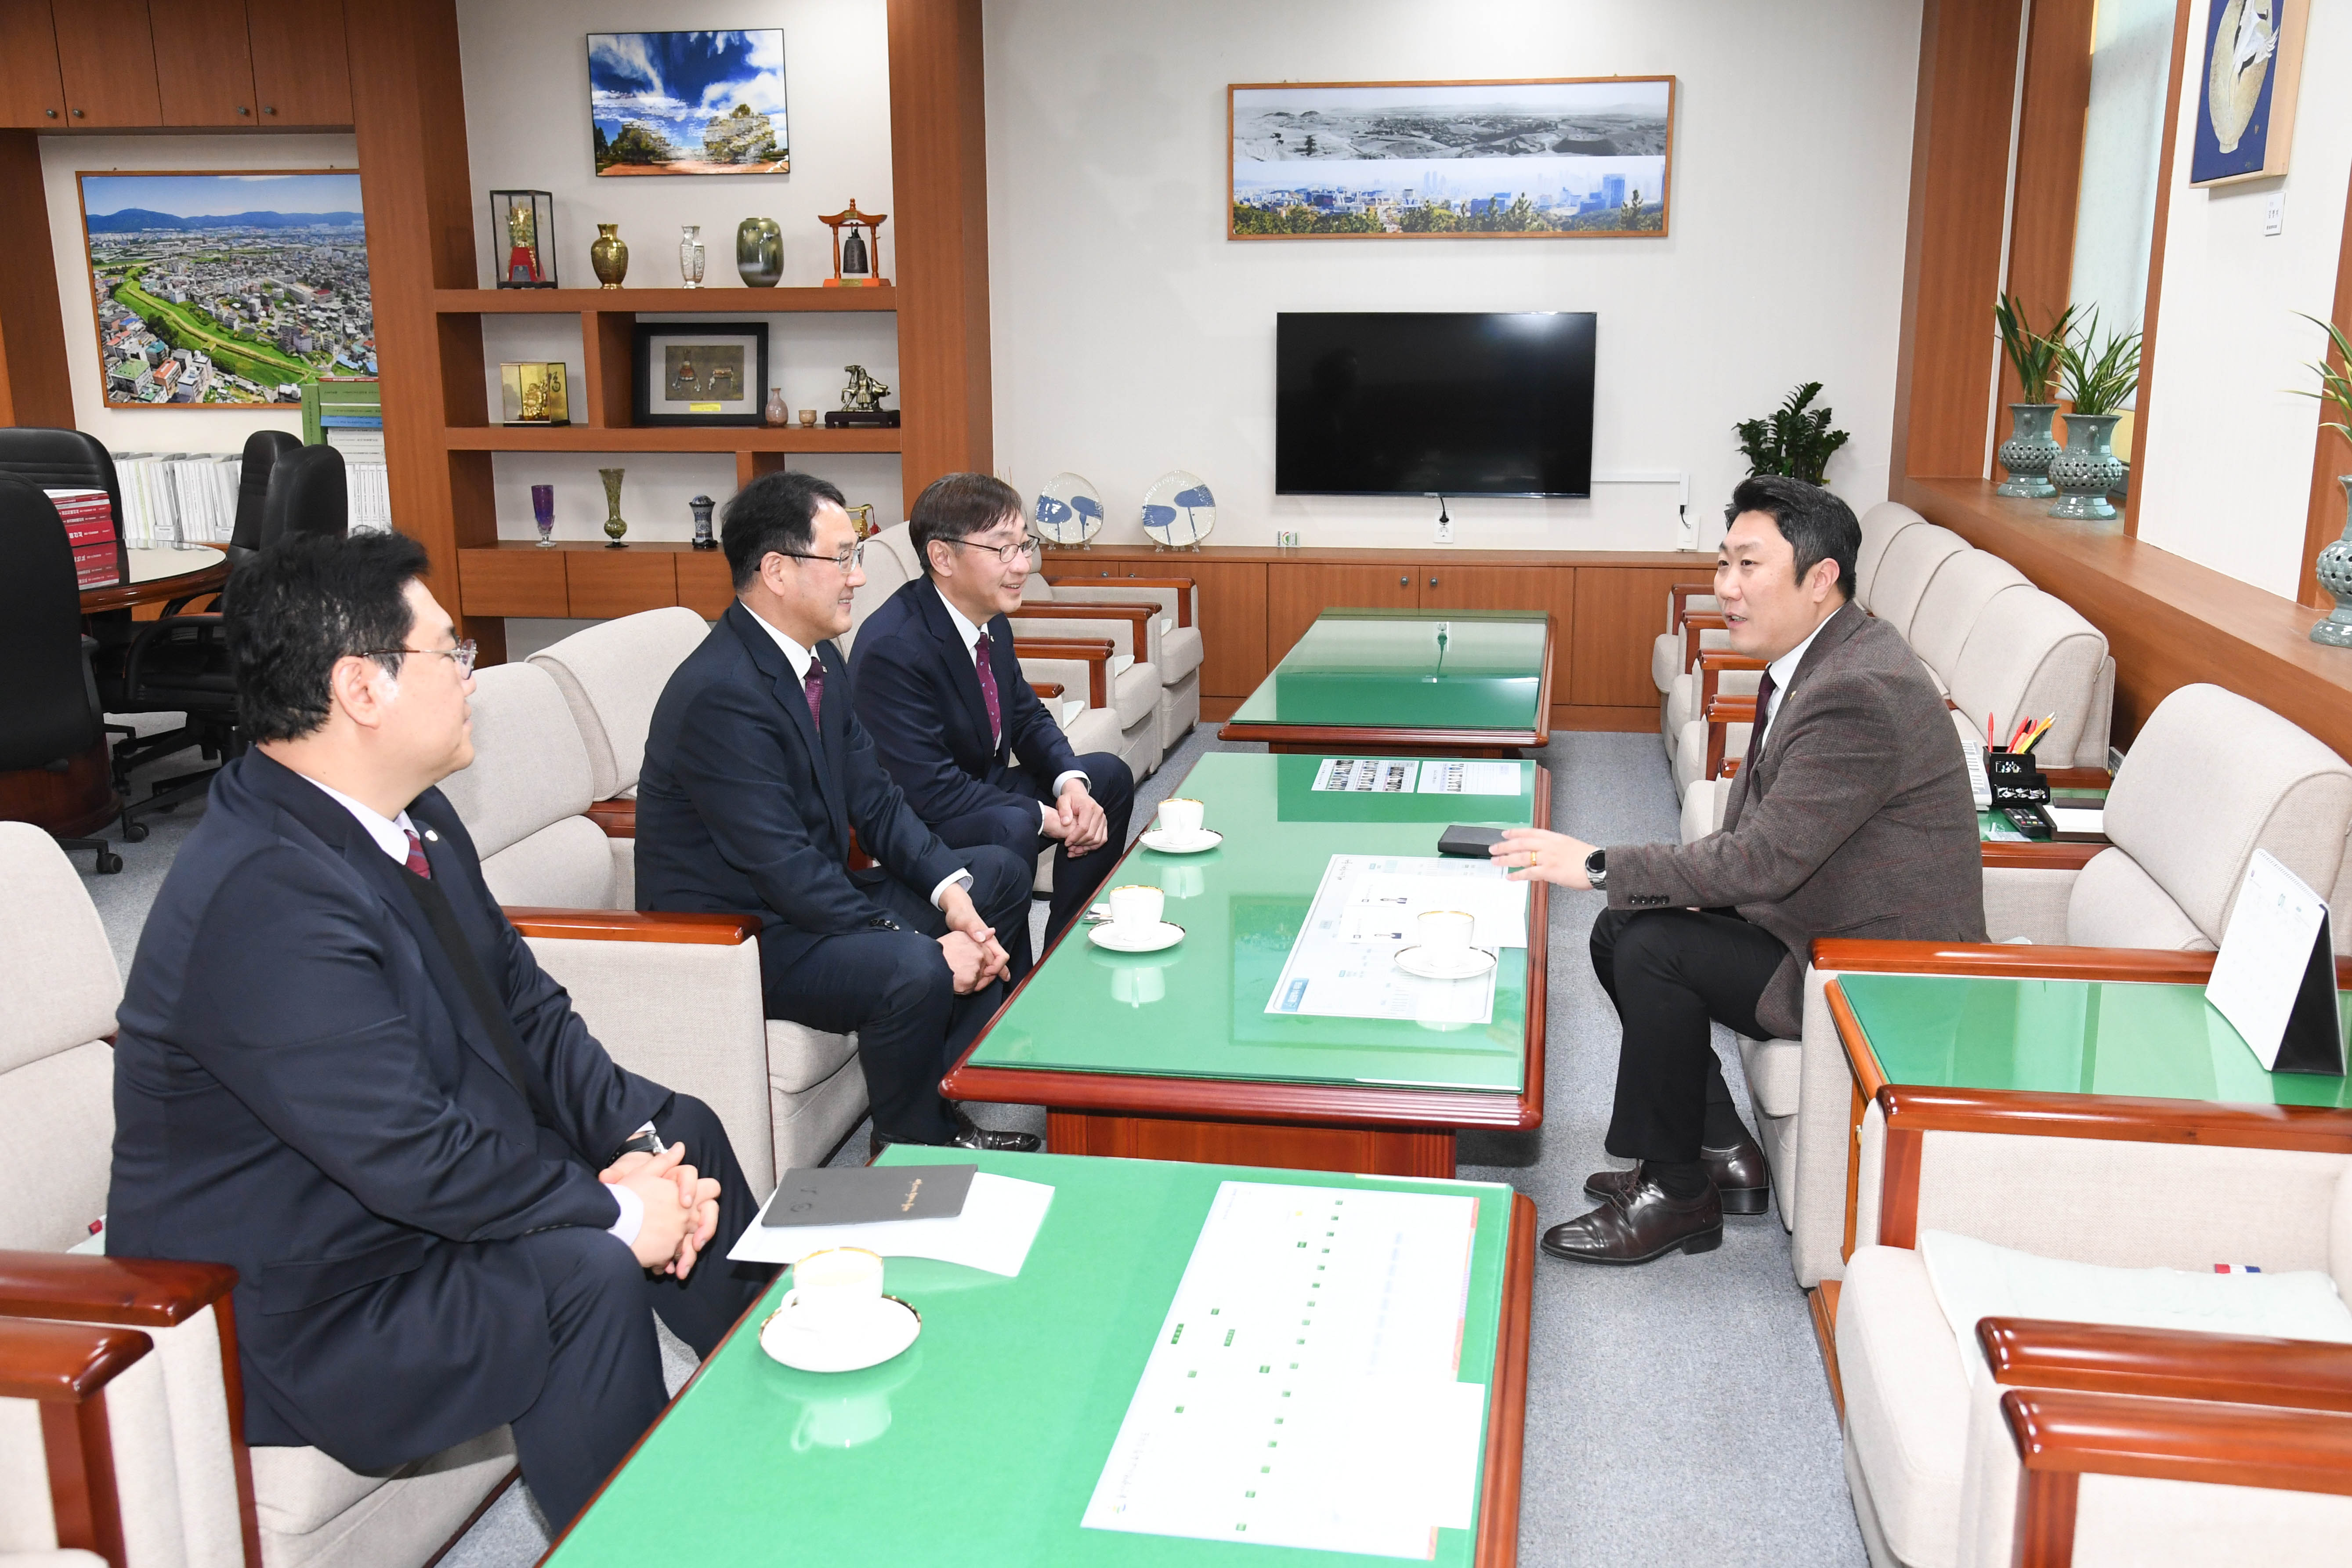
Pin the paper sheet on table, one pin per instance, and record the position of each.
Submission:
(1000, 1220)
(2078, 819)
(1387, 906)
(1461, 776)
(1304, 1388)
(1342, 964)
(1367, 775)
(2265, 953)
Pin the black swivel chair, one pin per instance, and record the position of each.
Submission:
(264, 450)
(307, 494)
(49, 713)
(49, 459)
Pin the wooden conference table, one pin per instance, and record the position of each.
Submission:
(1173, 1055)
(982, 1442)
(1449, 682)
(158, 576)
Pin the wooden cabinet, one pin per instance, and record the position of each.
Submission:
(32, 94)
(1551, 589)
(106, 56)
(301, 68)
(204, 67)
(1298, 592)
(705, 583)
(1232, 599)
(1620, 611)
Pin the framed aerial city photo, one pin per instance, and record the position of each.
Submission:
(688, 103)
(1555, 158)
(229, 288)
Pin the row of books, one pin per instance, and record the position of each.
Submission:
(90, 528)
(190, 497)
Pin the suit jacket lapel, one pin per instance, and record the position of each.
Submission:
(1833, 634)
(793, 698)
(963, 673)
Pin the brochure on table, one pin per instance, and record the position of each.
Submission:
(999, 1221)
(2274, 978)
(1343, 962)
(1408, 775)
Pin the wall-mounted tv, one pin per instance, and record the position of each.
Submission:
(1433, 403)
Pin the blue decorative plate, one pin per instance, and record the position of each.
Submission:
(1178, 510)
(1069, 511)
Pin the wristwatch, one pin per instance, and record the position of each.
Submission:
(644, 1141)
(1596, 869)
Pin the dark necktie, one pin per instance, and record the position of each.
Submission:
(813, 688)
(416, 860)
(988, 691)
(1763, 716)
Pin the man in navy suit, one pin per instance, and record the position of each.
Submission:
(941, 693)
(340, 1071)
(756, 772)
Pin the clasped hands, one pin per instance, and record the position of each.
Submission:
(974, 956)
(1533, 855)
(1077, 819)
(681, 1206)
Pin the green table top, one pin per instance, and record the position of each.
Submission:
(1198, 1009)
(2070, 1037)
(981, 1443)
(1389, 669)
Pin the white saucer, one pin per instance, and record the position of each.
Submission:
(1107, 935)
(1467, 964)
(889, 1328)
(1183, 842)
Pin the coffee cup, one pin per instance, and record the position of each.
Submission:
(1180, 817)
(1445, 932)
(1135, 911)
(836, 1287)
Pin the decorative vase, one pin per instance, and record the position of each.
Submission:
(2027, 452)
(609, 255)
(542, 514)
(689, 253)
(759, 252)
(615, 526)
(2334, 566)
(701, 506)
(2086, 467)
(777, 412)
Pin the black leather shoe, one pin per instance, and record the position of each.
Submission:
(1740, 1176)
(1638, 1225)
(969, 1136)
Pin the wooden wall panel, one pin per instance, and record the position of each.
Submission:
(523, 582)
(32, 94)
(207, 75)
(106, 53)
(2051, 118)
(1951, 271)
(1552, 589)
(2326, 519)
(703, 585)
(604, 584)
(1298, 592)
(1619, 613)
(301, 62)
(34, 389)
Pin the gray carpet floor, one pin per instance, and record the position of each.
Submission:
(1677, 1414)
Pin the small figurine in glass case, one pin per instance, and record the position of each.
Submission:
(523, 224)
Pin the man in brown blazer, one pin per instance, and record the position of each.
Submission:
(1851, 816)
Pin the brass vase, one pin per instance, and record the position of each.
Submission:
(615, 526)
(759, 252)
(609, 255)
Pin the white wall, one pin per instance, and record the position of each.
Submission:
(527, 127)
(1131, 336)
(186, 428)
(2229, 449)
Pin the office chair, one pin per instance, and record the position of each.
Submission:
(49, 713)
(264, 450)
(307, 495)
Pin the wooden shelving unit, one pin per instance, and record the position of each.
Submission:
(665, 438)
(628, 301)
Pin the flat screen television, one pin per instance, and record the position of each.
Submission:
(1433, 403)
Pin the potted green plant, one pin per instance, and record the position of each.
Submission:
(2334, 565)
(2034, 356)
(2096, 381)
(1794, 439)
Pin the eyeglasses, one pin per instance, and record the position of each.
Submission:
(1007, 553)
(853, 556)
(464, 653)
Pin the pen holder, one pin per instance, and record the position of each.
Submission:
(2015, 780)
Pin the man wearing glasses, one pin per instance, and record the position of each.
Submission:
(939, 690)
(756, 773)
(339, 1071)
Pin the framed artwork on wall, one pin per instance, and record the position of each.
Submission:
(2253, 66)
(698, 373)
(688, 103)
(229, 288)
(1551, 158)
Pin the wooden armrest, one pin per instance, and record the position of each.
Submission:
(1712, 663)
(2079, 778)
(1678, 598)
(2167, 1363)
(1094, 651)
(1694, 623)
(1185, 588)
(691, 928)
(2040, 855)
(1722, 712)
(1046, 689)
(617, 817)
(1726, 710)
(136, 1292)
(63, 1363)
(1138, 616)
(2025, 961)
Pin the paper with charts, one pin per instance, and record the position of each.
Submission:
(1305, 1390)
(1403, 775)
(1343, 962)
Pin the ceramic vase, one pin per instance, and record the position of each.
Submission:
(2334, 567)
(701, 506)
(614, 527)
(689, 255)
(2086, 467)
(609, 255)
(2027, 452)
(759, 252)
(777, 412)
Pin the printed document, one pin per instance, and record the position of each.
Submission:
(1460, 776)
(1000, 1219)
(1367, 775)
(1305, 1389)
(1343, 963)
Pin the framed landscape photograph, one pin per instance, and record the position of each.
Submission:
(1555, 158)
(226, 289)
(698, 373)
(688, 103)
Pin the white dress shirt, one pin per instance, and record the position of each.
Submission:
(391, 835)
(801, 658)
(1782, 670)
(970, 636)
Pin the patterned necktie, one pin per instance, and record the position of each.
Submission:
(1763, 716)
(813, 688)
(988, 690)
(416, 860)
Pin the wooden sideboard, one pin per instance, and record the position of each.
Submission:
(1606, 606)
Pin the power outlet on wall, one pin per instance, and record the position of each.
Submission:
(2274, 213)
(1444, 531)
(1286, 539)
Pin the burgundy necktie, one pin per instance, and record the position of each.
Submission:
(416, 860)
(988, 690)
(1763, 715)
(813, 688)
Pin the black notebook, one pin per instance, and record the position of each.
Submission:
(864, 1195)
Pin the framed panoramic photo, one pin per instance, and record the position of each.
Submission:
(698, 373)
(1585, 157)
(2246, 90)
(226, 289)
(688, 103)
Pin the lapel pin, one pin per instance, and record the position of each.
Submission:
(431, 837)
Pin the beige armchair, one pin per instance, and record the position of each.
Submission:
(611, 675)
(186, 1491)
(1173, 644)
